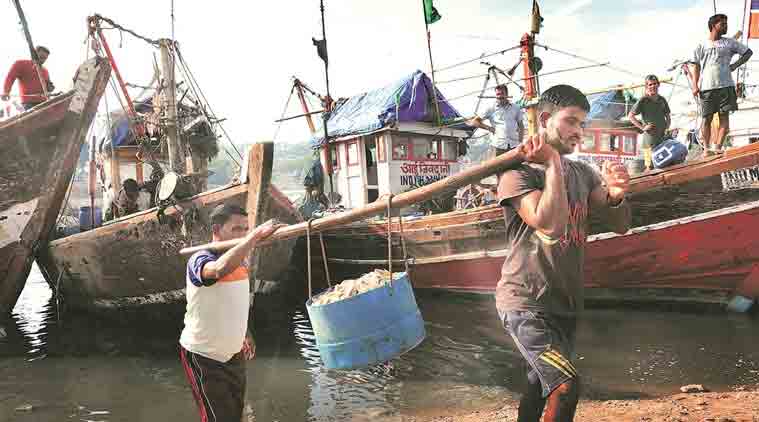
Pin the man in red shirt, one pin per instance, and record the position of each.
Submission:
(30, 88)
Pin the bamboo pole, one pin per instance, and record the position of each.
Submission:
(471, 175)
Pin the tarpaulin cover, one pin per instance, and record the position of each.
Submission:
(120, 123)
(406, 100)
(610, 105)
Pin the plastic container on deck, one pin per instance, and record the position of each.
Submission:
(740, 304)
(85, 221)
(369, 328)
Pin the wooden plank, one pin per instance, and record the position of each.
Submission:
(746, 149)
(260, 159)
(696, 170)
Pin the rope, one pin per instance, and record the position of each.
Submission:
(403, 243)
(477, 58)
(197, 90)
(637, 75)
(514, 81)
(308, 256)
(284, 110)
(324, 259)
(389, 236)
(150, 41)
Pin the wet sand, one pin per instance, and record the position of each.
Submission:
(737, 406)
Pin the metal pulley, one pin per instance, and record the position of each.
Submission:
(536, 65)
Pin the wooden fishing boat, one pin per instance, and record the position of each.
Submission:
(133, 260)
(40, 151)
(688, 238)
(680, 217)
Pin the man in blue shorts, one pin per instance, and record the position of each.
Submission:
(546, 202)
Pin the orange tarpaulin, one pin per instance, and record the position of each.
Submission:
(753, 20)
(753, 25)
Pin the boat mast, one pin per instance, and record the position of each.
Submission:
(530, 77)
(32, 50)
(174, 144)
(327, 105)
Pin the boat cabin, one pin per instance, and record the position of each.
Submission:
(385, 142)
(608, 135)
(601, 144)
(392, 160)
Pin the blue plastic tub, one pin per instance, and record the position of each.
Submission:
(85, 221)
(368, 328)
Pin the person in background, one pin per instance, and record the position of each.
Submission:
(546, 203)
(30, 87)
(713, 83)
(655, 113)
(125, 202)
(506, 123)
(215, 341)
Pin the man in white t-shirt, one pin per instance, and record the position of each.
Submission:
(712, 81)
(506, 126)
(215, 341)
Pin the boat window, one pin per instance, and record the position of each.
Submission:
(334, 156)
(351, 149)
(629, 146)
(450, 151)
(608, 142)
(424, 149)
(380, 148)
(400, 149)
(589, 142)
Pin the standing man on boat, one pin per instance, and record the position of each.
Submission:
(546, 203)
(29, 84)
(656, 118)
(506, 123)
(215, 341)
(712, 80)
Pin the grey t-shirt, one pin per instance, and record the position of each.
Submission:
(714, 58)
(654, 110)
(537, 275)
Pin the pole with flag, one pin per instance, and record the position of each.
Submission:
(431, 16)
(321, 50)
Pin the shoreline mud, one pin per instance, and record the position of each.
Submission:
(733, 406)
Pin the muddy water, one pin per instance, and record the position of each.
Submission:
(77, 367)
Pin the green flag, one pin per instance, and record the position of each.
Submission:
(431, 14)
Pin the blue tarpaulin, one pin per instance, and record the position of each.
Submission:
(120, 124)
(610, 105)
(406, 100)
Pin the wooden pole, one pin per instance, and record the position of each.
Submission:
(471, 175)
(432, 66)
(327, 104)
(94, 28)
(32, 50)
(530, 88)
(303, 104)
(176, 152)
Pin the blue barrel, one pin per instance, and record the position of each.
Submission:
(85, 221)
(368, 328)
